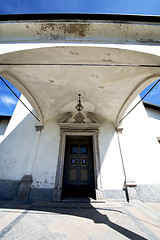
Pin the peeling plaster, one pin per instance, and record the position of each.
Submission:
(76, 29)
(74, 53)
(60, 31)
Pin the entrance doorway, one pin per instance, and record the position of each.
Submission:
(78, 174)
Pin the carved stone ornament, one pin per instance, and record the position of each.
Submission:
(38, 128)
(79, 118)
(92, 117)
(67, 116)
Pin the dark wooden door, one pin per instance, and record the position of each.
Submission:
(78, 176)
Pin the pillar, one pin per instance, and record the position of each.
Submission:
(26, 181)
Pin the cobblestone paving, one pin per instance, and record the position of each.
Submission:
(79, 220)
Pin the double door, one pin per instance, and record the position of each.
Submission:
(78, 176)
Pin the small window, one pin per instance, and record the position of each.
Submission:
(73, 161)
(84, 161)
(74, 149)
(83, 149)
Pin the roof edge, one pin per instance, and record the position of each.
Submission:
(151, 106)
(5, 117)
(80, 16)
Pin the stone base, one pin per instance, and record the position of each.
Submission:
(8, 189)
(41, 194)
(131, 194)
(56, 194)
(149, 192)
(114, 194)
(24, 187)
(130, 190)
(99, 194)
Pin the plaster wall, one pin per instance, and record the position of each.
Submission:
(151, 49)
(140, 147)
(25, 151)
(45, 165)
(16, 144)
(18, 116)
(17, 147)
(154, 121)
(111, 164)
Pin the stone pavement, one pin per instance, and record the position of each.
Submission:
(75, 220)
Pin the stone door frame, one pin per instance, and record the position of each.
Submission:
(78, 129)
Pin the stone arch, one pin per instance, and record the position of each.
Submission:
(15, 81)
(143, 84)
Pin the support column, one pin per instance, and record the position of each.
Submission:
(59, 174)
(26, 181)
(129, 183)
(99, 191)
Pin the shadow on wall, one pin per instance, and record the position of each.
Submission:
(107, 131)
(17, 130)
(82, 210)
(3, 125)
(14, 152)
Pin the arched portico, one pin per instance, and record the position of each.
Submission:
(93, 58)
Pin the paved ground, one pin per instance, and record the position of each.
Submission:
(79, 220)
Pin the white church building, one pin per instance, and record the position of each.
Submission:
(80, 74)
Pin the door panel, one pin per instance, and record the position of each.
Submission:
(78, 176)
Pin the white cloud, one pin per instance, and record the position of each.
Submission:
(155, 91)
(7, 100)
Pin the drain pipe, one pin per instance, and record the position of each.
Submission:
(119, 131)
(129, 184)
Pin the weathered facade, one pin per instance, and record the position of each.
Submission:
(53, 58)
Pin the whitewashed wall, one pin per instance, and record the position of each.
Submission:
(154, 122)
(111, 164)
(140, 147)
(17, 147)
(44, 169)
(16, 143)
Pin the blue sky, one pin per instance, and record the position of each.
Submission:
(7, 100)
(154, 95)
(146, 7)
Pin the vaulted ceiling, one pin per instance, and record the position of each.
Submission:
(107, 78)
(53, 58)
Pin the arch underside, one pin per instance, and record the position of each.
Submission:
(51, 78)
